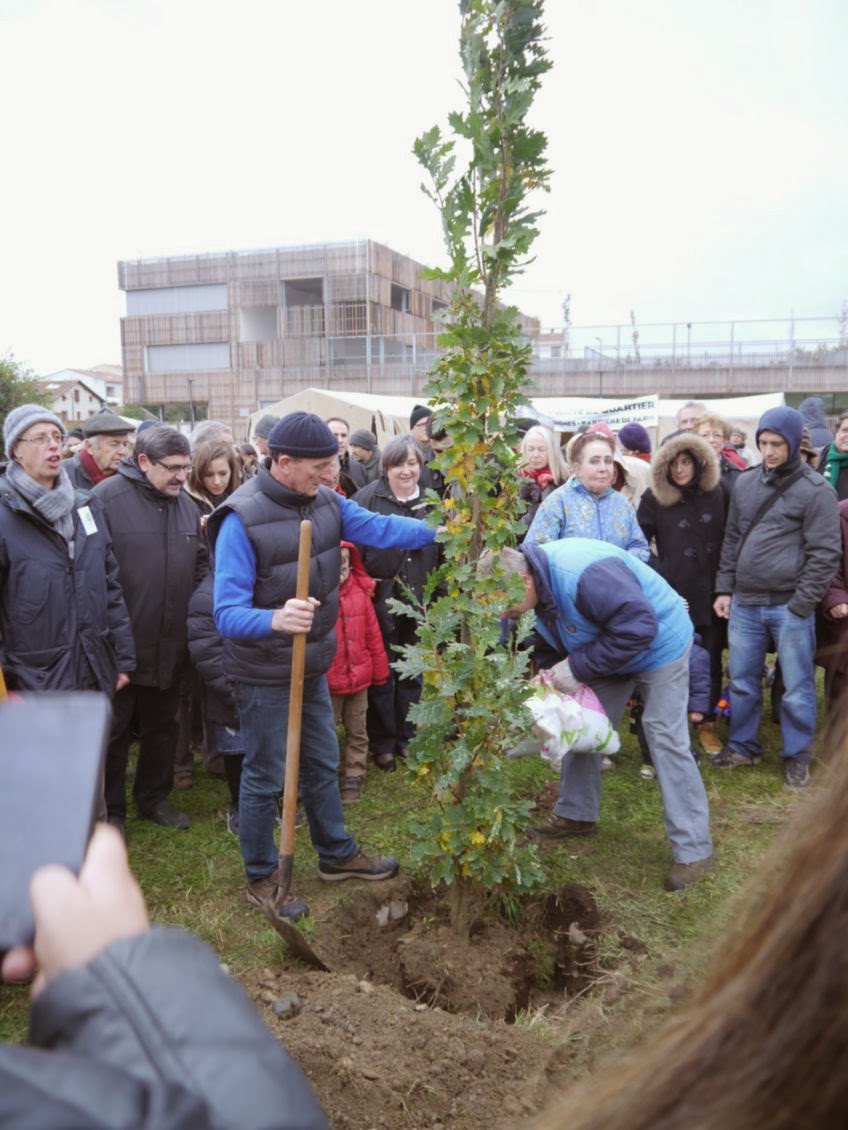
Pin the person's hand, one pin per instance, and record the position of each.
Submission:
(838, 612)
(562, 678)
(721, 607)
(76, 918)
(295, 617)
(123, 680)
(695, 716)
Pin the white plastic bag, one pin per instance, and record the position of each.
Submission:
(570, 723)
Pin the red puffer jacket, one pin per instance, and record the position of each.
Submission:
(360, 659)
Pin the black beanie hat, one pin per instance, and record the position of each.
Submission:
(419, 412)
(303, 436)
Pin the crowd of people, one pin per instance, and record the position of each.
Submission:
(123, 554)
(128, 552)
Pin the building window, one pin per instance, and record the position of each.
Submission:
(257, 323)
(303, 292)
(177, 299)
(196, 357)
(438, 306)
(76, 396)
(401, 299)
(347, 351)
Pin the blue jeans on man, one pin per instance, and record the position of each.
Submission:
(665, 694)
(754, 630)
(263, 716)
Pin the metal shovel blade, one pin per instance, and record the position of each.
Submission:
(293, 937)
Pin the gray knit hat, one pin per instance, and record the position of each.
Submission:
(264, 425)
(363, 438)
(23, 417)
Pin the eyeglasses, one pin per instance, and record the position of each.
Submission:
(44, 439)
(174, 468)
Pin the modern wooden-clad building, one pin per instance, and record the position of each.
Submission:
(227, 333)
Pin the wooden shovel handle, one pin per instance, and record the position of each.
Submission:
(304, 551)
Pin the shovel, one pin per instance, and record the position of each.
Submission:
(287, 930)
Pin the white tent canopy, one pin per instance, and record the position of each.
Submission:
(388, 416)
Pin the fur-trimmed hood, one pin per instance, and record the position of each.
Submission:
(665, 492)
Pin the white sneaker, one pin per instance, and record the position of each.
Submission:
(606, 764)
(647, 772)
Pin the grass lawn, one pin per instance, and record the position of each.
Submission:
(194, 879)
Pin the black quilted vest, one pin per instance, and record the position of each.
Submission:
(272, 514)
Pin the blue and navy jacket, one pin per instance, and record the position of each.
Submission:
(607, 611)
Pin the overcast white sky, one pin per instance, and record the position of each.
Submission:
(699, 151)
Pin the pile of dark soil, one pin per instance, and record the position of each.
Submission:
(414, 1028)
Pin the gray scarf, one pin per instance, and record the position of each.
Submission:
(55, 506)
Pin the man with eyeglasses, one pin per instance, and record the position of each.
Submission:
(63, 620)
(155, 529)
(106, 443)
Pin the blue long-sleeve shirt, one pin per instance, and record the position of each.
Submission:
(235, 563)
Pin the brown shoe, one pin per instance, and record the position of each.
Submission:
(683, 875)
(351, 790)
(561, 828)
(359, 866)
(184, 779)
(261, 890)
(711, 743)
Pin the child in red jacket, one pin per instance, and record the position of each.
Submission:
(360, 661)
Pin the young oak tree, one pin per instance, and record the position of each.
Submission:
(474, 687)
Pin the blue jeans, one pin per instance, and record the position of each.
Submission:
(263, 716)
(665, 695)
(756, 629)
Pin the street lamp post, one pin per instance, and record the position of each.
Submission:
(191, 401)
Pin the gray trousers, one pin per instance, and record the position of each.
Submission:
(665, 694)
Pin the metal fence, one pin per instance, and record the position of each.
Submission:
(772, 342)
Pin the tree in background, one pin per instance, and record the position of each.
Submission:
(473, 689)
(17, 386)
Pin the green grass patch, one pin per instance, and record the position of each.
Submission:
(195, 879)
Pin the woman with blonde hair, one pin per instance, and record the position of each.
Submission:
(542, 466)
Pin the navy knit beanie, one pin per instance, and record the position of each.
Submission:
(303, 436)
(633, 437)
(787, 423)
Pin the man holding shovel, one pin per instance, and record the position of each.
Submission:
(255, 535)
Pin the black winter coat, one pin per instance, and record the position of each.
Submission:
(63, 620)
(206, 648)
(412, 567)
(152, 1034)
(394, 569)
(162, 559)
(686, 526)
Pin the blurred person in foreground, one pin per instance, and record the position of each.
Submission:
(133, 1026)
(763, 1045)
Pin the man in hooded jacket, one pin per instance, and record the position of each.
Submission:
(776, 565)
